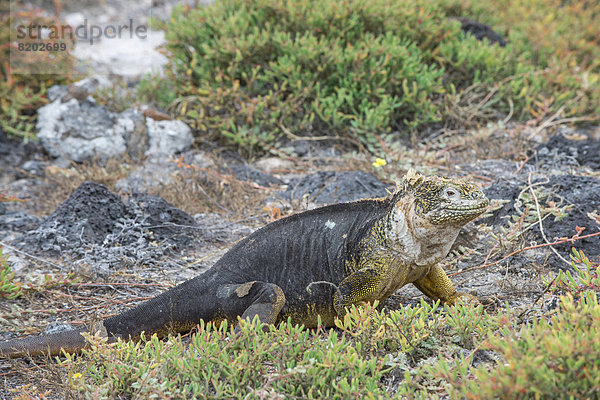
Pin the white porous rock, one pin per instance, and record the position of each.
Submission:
(167, 137)
(82, 131)
(79, 129)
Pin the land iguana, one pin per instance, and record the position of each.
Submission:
(315, 263)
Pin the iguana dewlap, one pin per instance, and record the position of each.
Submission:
(310, 264)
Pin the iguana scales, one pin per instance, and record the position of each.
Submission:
(313, 263)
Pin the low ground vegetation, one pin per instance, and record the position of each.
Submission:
(422, 350)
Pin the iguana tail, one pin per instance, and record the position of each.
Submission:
(178, 309)
(70, 341)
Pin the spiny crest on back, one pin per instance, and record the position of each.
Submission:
(411, 182)
(408, 182)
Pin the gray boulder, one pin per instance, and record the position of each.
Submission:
(167, 137)
(73, 126)
(82, 131)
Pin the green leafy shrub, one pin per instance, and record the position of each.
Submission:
(8, 287)
(549, 359)
(155, 89)
(250, 72)
(556, 57)
(585, 275)
(253, 72)
(262, 361)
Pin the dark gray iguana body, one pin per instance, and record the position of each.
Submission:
(309, 264)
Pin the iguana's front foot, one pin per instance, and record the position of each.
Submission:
(461, 295)
(437, 286)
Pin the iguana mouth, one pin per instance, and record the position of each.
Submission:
(459, 213)
(473, 207)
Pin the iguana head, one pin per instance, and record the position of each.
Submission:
(442, 201)
(427, 215)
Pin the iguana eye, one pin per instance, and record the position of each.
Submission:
(451, 193)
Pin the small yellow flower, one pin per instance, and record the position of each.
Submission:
(76, 375)
(379, 162)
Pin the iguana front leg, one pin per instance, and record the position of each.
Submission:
(358, 286)
(436, 285)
